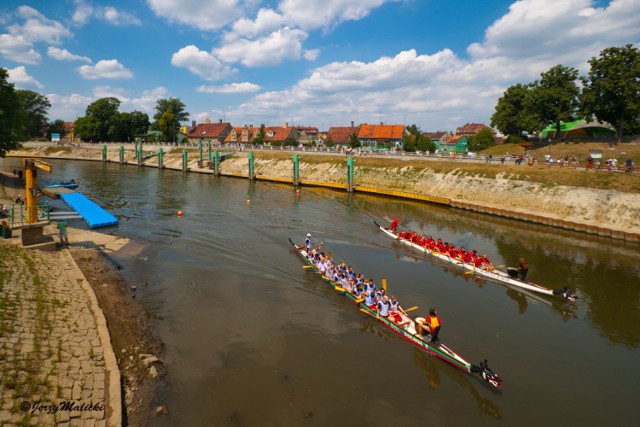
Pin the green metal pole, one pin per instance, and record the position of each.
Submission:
(350, 174)
(216, 162)
(200, 150)
(121, 154)
(160, 158)
(185, 162)
(296, 170)
(104, 153)
(209, 152)
(251, 169)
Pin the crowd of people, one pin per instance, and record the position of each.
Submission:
(365, 290)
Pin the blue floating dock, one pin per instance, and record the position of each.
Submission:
(95, 216)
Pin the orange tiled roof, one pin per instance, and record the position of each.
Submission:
(472, 128)
(381, 131)
(435, 135)
(341, 134)
(277, 133)
(452, 140)
(210, 130)
(237, 134)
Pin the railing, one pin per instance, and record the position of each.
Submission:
(16, 214)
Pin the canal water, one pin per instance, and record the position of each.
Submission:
(253, 339)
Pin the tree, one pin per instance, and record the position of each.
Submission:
(56, 126)
(176, 107)
(11, 125)
(329, 143)
(259, 138)
(167, 125)
(88, 129)
(424, 143)
(481, 140)
(409, 143)
(611, 90)
(554, 98)
(105, 112)
(513, 113)
(35, 107)
(139, 123)
(354, 142)
(290, 142)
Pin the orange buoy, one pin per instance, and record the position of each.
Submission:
(248, 201)
(179, 213)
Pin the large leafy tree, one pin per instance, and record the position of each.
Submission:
(11, 128)
(139, 123)
(106, 115)
(554, 98)
(611, 90)
(178, 115)
(35, 108)
(481, 140)
(88, 129)
(513, 113)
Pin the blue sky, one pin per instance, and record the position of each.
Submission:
(436, 63)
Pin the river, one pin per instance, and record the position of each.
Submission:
(253, 339)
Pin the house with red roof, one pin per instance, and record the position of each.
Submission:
(279, 134)
(307, 135)
(381, 135)
(471, 129)
(439, 137)
(340, 135)
(214, 133)
(242, 135)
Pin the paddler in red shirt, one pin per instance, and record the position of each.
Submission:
(431, 325)
(394, 224)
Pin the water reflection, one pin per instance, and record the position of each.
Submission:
(432, 371)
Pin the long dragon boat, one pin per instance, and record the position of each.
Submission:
(408, 330)
(494, 275)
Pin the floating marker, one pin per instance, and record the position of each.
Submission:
(179, 213)
(248, 201)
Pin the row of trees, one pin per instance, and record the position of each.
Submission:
(610, 92)
(23, 115)
(104, 122)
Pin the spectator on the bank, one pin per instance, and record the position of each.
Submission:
(629, 165)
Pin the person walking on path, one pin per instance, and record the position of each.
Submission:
(62, 233)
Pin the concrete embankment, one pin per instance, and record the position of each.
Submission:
(602, 212)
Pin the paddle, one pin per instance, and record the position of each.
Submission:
(415, 307)
(307, 266)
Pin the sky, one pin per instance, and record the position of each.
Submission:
(435, 63)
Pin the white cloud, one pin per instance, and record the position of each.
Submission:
(22, 79)
(245, 87)
(314, 14)
(17, 49)
(200, 63)
(202, 14)
(442, 90)
(117, 17)
(84, 12)
(273, 49)
(65, 55)
(68, 107)
(105, 69)
(37, 28)
(311, 54)
(267, 20)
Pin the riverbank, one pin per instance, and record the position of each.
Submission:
(603, 203)
(73, 332)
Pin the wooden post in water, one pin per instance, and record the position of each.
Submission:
(252, 174)
(216, 162)
(160, 158)
(296, 170)
(185, 161)
(121, 154)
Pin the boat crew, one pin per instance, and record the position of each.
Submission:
(369, 287)
(383, 307)
(357, 291)
(394, 224)
(370, 299)
(523, 269)
(307, 242)
(394, 312)
(430, 326)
